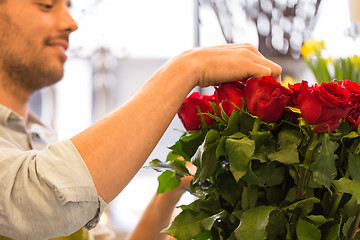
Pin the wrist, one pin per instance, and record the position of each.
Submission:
(188, 65)
(171, 198)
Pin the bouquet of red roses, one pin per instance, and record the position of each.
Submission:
(271, 162)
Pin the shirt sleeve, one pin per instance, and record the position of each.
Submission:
(47, 193)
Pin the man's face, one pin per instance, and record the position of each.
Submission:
(33, 40)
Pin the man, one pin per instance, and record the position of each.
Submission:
(50, 190)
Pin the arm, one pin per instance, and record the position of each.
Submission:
(158, 214)
(116, 147)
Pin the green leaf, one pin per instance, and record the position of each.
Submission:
(276, 227)
(344, 185)
(323, 168)
(233, 124)
(208, 205)
(350, 208)
(187, 145)
(274, 195)
(318, 220)
(207, 163)
(307, 231)
(237, 135)
(220, 150)
(189, 224)
(289, 137)
(174, 166)
(261, 152)
(211, 136)
(251, 177)
(203, 236)
(355, 146)
(347, 226)
(239, 153)
(261, 138)
(302, 203)
(286, 154)
(291, 194)
(247, 122)
(271, 174)
(249, 197)
(264, 144)
(352, 134)
(216, 118)
(172, 156)
(253, 223)
(167, 181)
(333, 233)
(228, 188)
(354, 166)
(205, 157)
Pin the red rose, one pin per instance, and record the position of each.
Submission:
(354, 120)
(294, 102)
(354, 88)
(266, 98)
(229, 94)
(189, 113)
(295, 95)
(324, 105)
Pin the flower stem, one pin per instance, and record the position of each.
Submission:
(215, 194)
(355, 227)
(336, 201)
(335, 204)
(256, 125)
(303, 177)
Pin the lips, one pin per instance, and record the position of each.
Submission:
(60, 46)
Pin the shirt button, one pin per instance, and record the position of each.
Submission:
(93, 224)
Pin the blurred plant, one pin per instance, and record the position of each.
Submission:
(328, 69)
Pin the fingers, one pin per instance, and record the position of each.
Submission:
(261, 66)
(185, 182)
(232, 62)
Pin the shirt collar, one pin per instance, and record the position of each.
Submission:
(7, 115)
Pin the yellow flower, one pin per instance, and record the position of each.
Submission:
(311, 47)
(355, 60)
(288, 80)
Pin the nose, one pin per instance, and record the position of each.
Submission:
(66, 22)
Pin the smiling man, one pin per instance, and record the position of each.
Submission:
(50, 189)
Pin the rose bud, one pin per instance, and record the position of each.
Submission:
(189, 111)
(266, 98)
(230, 94)
(295, 95)
(354, 114)
(324, 105)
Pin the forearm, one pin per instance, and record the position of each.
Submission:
(156, 217)
(115, 148)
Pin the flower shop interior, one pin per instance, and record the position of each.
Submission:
(131, 39)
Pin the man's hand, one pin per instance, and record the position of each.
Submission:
(226, 63)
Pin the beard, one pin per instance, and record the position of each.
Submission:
(23, 65)
(29, 75)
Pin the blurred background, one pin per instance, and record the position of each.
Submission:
(120, 44)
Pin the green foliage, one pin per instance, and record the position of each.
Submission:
(257, 181)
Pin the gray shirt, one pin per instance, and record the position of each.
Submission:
(46, 189)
